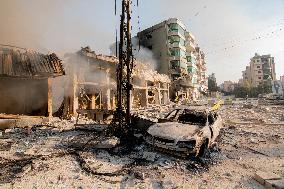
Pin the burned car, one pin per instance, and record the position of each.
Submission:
(185, 131)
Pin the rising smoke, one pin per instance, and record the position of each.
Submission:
(140, 53)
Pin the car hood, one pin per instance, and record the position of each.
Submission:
(173, 130)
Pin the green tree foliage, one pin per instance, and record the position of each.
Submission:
(252, 92)
(212, 85)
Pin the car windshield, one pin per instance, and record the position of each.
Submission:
(196, 118)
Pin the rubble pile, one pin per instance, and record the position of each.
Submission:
(153, 112)
(255, 114)
(57, 155)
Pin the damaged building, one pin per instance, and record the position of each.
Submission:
(178, 56)
(25, 81)
(92, 85)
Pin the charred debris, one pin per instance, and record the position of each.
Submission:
(108, 103)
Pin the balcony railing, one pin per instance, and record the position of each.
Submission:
(190, 46)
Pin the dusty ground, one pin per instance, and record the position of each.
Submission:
(49, 157)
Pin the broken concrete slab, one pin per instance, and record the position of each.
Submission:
(150, 156)
(108, 143)
(274, 184)
(261, 177)
(22, 121)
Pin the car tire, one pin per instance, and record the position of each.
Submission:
(203, 149)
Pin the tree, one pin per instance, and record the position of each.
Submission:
(212, 84)
(252, 92)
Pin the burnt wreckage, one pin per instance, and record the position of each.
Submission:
(185, 131)
(26, 81)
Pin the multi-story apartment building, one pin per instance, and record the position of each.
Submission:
(282, 80)
(260, 70)
(202, 79)
(246, 76)
(175, 50)
(228, 86)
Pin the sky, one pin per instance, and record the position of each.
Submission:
(228, 31)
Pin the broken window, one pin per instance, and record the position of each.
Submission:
(149, 36)
(175, 64)
(196, 118)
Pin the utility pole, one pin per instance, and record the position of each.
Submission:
(124, 71)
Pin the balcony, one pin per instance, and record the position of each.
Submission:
(177, 45)
(174, 29)
(190, 46)
(191, 58)
(176, 33)
(177, 57)
(186, 82)
(175, 71)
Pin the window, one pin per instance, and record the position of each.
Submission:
(174, 27)
(175, 64)
(177, 52)
(191, 59)
(176, 40)
(259, 71)
(191, 69)
(258, 66)
(259, 77)
(149, 36)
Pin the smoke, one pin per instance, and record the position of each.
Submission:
(86, 71)
(57, 26)
(144, 55)
(140, 53)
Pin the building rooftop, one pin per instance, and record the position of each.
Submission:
(23, 63)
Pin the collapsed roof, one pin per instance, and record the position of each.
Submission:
(22, 63)
(141, 70)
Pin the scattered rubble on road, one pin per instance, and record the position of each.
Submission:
(57, 155)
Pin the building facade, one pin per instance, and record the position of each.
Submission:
(178, 56)
(260, 70)
(282, 80)
(26, 81)
(92, 85)
(228, 86)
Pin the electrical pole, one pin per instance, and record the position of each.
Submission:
(124, 71)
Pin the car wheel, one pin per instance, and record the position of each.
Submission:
(203, 149)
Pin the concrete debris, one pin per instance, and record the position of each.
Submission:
(62, 154)
(150, 156)
(108, 143)
(269, 180)
(139, 175)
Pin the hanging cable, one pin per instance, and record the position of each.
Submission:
(116, 41)
(139, 28)
(114, 7)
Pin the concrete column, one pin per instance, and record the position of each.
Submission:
(93, 103)
(146, 91)
(108, 90)
(74, 97)
(49, 97)
(159, 94)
